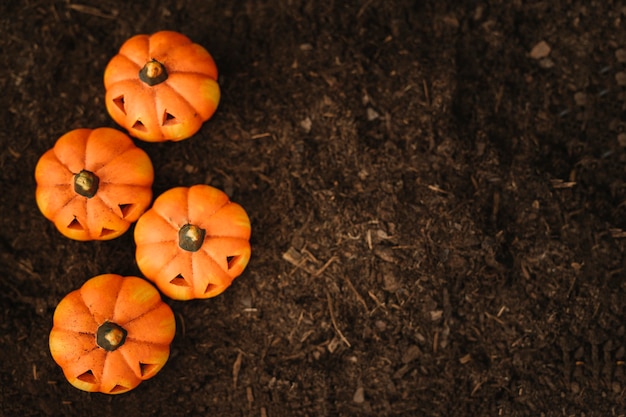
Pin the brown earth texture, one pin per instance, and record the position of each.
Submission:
(437, 192)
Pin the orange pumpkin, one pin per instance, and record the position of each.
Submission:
(193, 242)
(94, 183)
(111, 334)
(161, 87)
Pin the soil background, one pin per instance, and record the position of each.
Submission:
(437, 192)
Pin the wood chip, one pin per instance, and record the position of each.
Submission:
(540, 50)
(359, 395)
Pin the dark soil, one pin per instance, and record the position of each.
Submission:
(438, 208)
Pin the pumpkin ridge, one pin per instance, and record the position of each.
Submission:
(182, 97)
(126, 185)
(212, 260)
(201, 74)
(132, 78)
(172, 222)
(173, 239)
(120, 152)
(117, 294)
(226, 237)
(106, 204)
(145, 342)
(206, 218)
(68, 143)
(153, 96)
(62, 186)
(84, 209)
(153, 91)
(206, 249)
(84, 150)
(111, 165)
(154, 307)
(134, 362)
(59, 327)
(131, 360)
(139, 66)
(153, 51)
(63, 164)
(160, 242)
(176, 253)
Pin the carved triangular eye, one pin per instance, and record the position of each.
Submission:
(210, 287)
(232, 260)
(119, 388)
(105, 232)
(180, 281)
(75, 225)
(126, 208)
(140, 126)
(87, 377)
(119, 102)
(169, 119)
(147, 369)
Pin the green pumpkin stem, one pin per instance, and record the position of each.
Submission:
(153, 73)
(110, 336)
(86, 183)
(190, 237)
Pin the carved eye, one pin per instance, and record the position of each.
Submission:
(169, 119)
(119, 102)
(138, 125)
(180, 281)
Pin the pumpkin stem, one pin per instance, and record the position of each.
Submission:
(86, 183)
(110, 336)
(190, 237)
(153, 73)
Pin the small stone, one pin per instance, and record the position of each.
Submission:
(306, 124)
(620, 77)
(372, 114)
(620, 54)
(386, 254)
(436, 315)
(359, 395)
(412, 353)
(540, 50)
(616, 387)
(546, 63)
(580, 98)
(381, 326)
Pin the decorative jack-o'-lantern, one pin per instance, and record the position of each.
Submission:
(161, 87)
(193, 242)
(112, 334)
(94, 183)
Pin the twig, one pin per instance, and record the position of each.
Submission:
(81, 8)
(326, 265)
(332, 319)
(236, 368)
(356, 293)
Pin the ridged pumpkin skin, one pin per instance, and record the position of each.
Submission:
(123, 188)
(161, 87)
(193, 242)
(124, 314)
